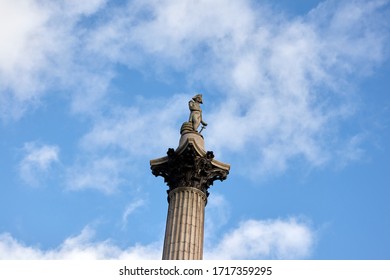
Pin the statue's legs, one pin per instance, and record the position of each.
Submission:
(196, 120)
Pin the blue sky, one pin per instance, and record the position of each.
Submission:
(296, 94)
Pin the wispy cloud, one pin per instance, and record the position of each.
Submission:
(37, 161)
(280, 84)
(130, 208)
(217, 215)
(41, 50)
(113, 147)
(98, 173)
(28, 46)
(142, 129)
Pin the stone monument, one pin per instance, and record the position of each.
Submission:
(188, 171)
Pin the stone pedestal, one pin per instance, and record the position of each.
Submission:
(188, 171)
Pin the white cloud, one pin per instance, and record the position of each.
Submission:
(217, 216)
(269, 239)
(283, 83)
(111, 150)
(99, 173)
(83, 7)
(130, 208)
(30, 47)
(79, 247)
(41, 49)
(280, 84)
(37, 162)
(141, 129)
(253, 239)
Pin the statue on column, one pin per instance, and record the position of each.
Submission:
(195, 118)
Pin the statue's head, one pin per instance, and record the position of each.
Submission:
(198, 98)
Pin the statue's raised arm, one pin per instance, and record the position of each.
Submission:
(196, 112)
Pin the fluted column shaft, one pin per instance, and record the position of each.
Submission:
(185, 222)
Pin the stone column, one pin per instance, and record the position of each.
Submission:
(185, 221)
(188, 171)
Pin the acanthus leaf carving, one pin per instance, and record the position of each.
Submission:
(189, 169)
